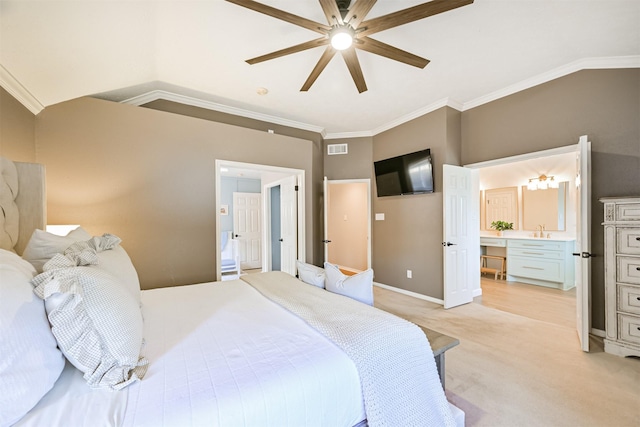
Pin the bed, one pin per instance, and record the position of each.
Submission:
(267, 349)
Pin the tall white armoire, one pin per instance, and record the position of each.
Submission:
(622, 275)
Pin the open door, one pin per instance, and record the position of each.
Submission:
(288, 224)
(461, 234)
(583, 242)
(247, 228)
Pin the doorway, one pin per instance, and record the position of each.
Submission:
(570, 164)
(263, 176)
(347, 224)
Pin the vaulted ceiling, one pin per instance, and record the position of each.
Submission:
(194, 51)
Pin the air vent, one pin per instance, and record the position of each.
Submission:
(333, 149)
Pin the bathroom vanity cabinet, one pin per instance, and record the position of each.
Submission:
(542, 262)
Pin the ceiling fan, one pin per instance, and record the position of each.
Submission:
(347, 31)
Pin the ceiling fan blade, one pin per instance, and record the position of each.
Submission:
(288, 51)
(383, 49)
(351, 58)
(282, 15)
(330, 9)
(411, 14)
(358, 12)
(322, 63)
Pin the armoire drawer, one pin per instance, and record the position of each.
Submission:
(629, 328)
(628, 241)
(629, 299)
(628, 212)
(629, 269)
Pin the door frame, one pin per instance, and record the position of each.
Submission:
(266, 214)
(326, 183)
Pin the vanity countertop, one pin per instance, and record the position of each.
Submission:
(507, 236)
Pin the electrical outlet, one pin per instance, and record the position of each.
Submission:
(409, 274)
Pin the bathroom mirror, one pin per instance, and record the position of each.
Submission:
(544, 207)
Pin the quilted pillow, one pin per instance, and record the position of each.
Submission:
(43, 246)
(310, 274)
(359, 286)
(95, 319)
(31, 362)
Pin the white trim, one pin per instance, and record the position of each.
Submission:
(598, 333)
(19, 92)
(527, 156)
(214, 106)
(477, 292)
(409, 293)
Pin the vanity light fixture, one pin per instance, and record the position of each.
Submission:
(542, 183)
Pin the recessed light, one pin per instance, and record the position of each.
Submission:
(262, 91)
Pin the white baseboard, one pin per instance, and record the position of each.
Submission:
(411, 294)
(477, 292)
(598, 332)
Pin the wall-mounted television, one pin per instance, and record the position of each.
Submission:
(407, 174)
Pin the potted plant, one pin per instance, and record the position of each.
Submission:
(500, 226)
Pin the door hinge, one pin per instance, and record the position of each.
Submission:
(296, 188)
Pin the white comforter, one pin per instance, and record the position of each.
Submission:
(220, 355)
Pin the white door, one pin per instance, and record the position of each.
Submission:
(247, 228)
(583, 242)
(461, 234)
(288, 225)
(347, 223)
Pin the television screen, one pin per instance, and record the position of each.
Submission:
(407, 174)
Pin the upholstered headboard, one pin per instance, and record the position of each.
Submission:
(22, 203)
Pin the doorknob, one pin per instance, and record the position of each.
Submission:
(448, 244)
(326, 241)
(237, 235)
(281, 239)
(588, 255)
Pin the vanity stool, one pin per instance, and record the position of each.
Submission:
(484, 266)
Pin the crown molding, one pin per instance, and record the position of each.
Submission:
(19, 92)
(210, 105)
(582, 64)
(446, 102)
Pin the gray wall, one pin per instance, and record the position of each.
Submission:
(316, 254)
(410, 237)
(603, 104)
(149, 177)
(17, 129)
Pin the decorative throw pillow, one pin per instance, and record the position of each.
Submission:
(95, 319)
(359, 286)
(31, 362)
(43, 246)
(310, 274)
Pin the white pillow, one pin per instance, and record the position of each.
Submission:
(359, 286)
(43, 246)
(96, 321)
(310, 274)
(30, 363)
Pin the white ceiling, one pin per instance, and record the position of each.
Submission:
(194, 51)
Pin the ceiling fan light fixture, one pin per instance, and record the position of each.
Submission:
(342, 37)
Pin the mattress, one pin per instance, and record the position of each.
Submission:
(220, 355)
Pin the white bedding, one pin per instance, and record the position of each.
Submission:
(220, 355)
(231, 357)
